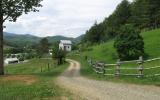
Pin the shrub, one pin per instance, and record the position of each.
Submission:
(58, 54)
(129, 43)
(21, 59)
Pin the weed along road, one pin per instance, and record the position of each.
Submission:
(101, 90)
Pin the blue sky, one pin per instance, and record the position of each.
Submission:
(69, 18)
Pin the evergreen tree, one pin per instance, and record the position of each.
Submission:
(122, 13)
(140, 14)
(95, 34)
(110, 26)
(129, 43)
(154, 10)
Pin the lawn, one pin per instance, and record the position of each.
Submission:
(26, 81)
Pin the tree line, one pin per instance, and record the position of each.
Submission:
(141, 14)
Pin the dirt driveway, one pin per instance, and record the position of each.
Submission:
(102, 90)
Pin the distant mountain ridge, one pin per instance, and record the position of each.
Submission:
(27, 39)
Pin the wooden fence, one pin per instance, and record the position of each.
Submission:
(116, 68)
(48, 67)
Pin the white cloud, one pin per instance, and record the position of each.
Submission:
(63, 17)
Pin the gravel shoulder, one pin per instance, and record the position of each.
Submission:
(89, 89)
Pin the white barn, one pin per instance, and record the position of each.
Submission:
(11, 60)
(65, 45)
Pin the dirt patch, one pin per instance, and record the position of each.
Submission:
(27, 79)
(63, 98)
(56, 98)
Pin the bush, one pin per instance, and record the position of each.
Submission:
(129, 43)
(21, 59)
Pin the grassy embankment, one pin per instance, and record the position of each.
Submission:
(26, 81)
(106, 53)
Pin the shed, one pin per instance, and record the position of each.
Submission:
(11, 60)
(65, 45)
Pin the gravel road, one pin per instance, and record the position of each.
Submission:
(101, 90)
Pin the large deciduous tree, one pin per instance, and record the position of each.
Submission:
(58, 54)
(11, 10)
(43, 47)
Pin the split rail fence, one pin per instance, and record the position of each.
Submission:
(117, 68)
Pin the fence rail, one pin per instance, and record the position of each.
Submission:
(102, 68)
(152, 60)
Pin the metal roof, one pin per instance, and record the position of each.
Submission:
(11, 59)
(65, 41)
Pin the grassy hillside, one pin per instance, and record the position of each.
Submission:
(152, 43)
(103, 52)
(106, 52)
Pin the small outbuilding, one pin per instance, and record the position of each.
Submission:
(65, 45)
(50, 52)
(11, 60)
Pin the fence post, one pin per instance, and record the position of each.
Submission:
(48, 67)
(141, 68)
(6, 72)
(86, 57)
(55, 63)
(90, 62)
(118, 68)
(103, 67)
(41, 68)
(95, 64)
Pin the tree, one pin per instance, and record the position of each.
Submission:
(129, 43)
(146, 14)
(154, 11)
(122, 13)
(109, 27)
(44, 45)
(11, 10)
(94, 34)
(58, 54)
(140, 16)
(74, 46)
(143, 14)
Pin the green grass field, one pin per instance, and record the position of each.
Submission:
(105, 52)
(26, 81)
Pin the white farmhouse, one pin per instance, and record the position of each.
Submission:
(65, 45)
(11, 60)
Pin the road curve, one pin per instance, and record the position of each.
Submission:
(101, 90)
